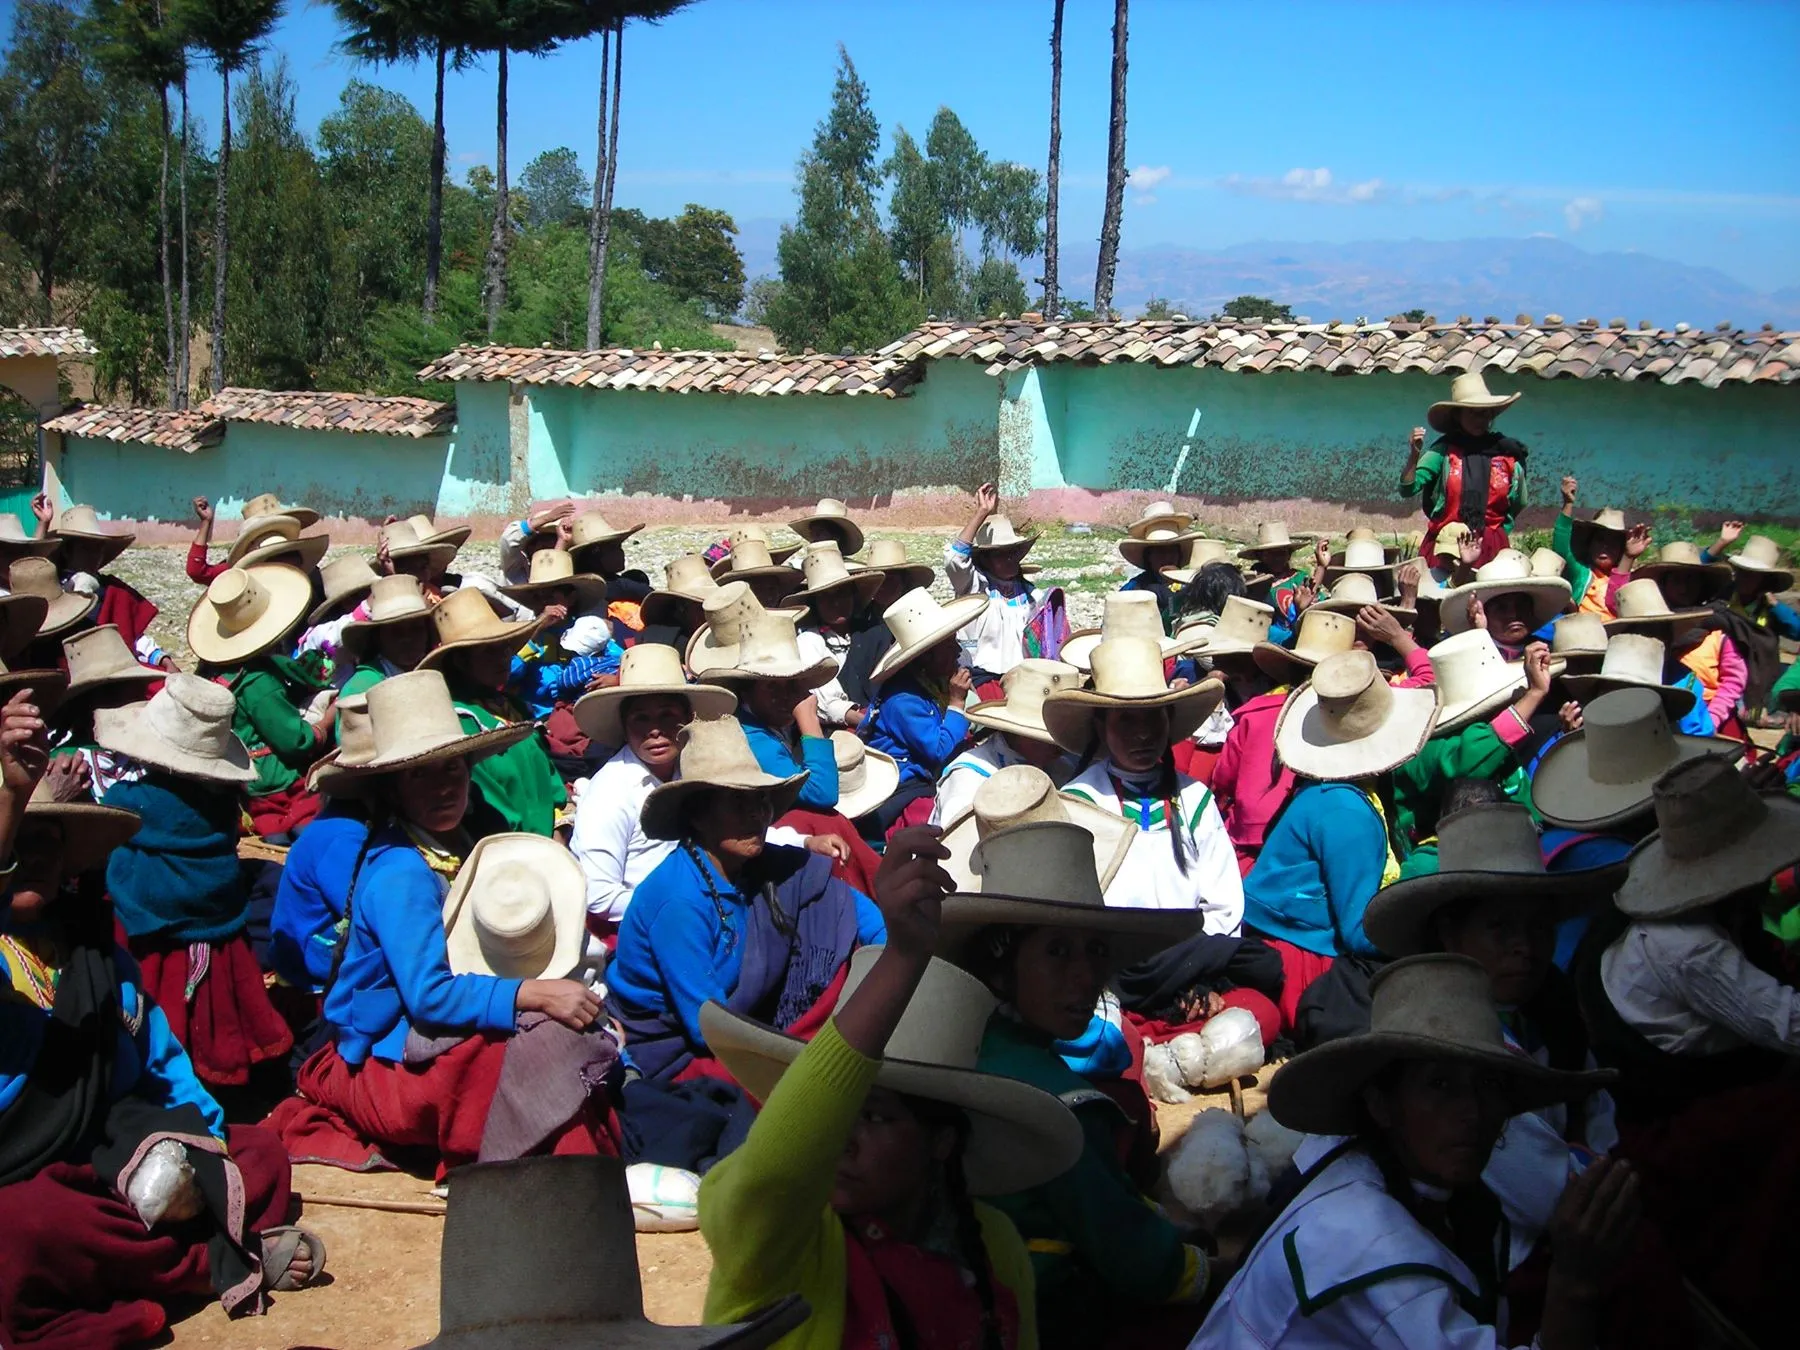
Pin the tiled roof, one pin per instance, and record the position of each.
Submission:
(681, 372)
(145, 426)
(387, 416)
(44, 342)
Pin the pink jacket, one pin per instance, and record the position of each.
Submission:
(1249, 784)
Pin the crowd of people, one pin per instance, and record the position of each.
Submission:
(837, 916)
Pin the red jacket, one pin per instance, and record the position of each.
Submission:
(1248, 782)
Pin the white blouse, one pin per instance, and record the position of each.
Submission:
(1687, 988)
(997, 634)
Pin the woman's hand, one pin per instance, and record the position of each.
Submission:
(1569, 486)
(24, 746)
(1570, 717)
(829, 846)
(1477, 614)
(1415, 443)
(962, 684)
(1637, 543)
(806, 717)
(910, 888)
(987, 500)
(203, 511)
(1729, 533)
(68, 779)
(1409, 578)
(1594, 1222)
(42, 509)
(1375, 624)
(384, 564)
(567, 1001)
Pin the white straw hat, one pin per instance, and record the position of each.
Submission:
(1547, 562)
(1125, 614)
(1508, 572)
(1633, 659)
(714, 754)
(98, 657)
(687, 580)
(997, 535)
(767, 646)
(1473, 680)
(1272, 536)
(246, 611)
(1762, 555)
(184, 728)
(1608, 520)
(1025, 687)
(730, 611)
(830, 519)
(647, 669)
(1602, 775)
(1361, 555)
(824, 570)
(1679, 557)
(918, 623)
(1128, 673)
(403, 541)
(1018, 795)
(553, 570)
(888, 556)
(1353, 591)
(392, 599)
(80, 522)
(465, 618)
(1242, 624)
(63, 608)
(1321, 633)
(1160, 517)
(778, 553)
(1147, 535)
(413, 721)
(1348, 722)
(866, 778)
(751, 559)
(268, 504)
(517, 910)
(1198, 553)
(1640, 605)
(590, 527)
(426, 529)
(345, 577)
(1580, 640)
(1468, 390)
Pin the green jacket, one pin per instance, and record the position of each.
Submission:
(271, 693)
(519, 787)
(1474, 751)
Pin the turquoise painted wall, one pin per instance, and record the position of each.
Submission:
(477, 473)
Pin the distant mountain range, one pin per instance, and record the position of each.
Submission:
(1504, 277)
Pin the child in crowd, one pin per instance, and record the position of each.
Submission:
(1759, 575)
(834, 597)
(1290, 591)
(988, 560)
(1471, 475)
(1600, 553)
(524, 537)
(1156, 544)
(1011, 731)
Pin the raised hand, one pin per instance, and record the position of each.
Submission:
(910, 887)
(987, 499)
(24, 746)
(1570, 717)
(1470, 551)
(1415, 442)
(1374, 624)
(203, 511)
(42, 509)
(1477, 614)
(1730, 532)
(565, 532)
(1409, 578)
(1537, 668)
(1569, 486)
(1321, 555)
(1637, 542)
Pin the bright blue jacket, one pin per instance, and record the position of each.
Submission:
(820, 791)
(1323, 858)
(921, 736)
(304, 929)
(543, 674)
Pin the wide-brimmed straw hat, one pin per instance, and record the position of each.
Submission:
(80, 522)
(1490, 851)
(346, 577)
(1547, 562)
(428, 531)
(1197, 553)
(918, 623)
(1124, 614)
(404, 541)
(1241, 626)
(1348, 722)
(1602, 775)
(1633, 660)
(464, 619)
(768, 648)
(268, 504)
(21, 620)
(509, 1279)
(1160, 517)
(1041, 874)
(1352, 591)
(1715, 836)
(15, 543)
(303, 552)
(1021, 794)
(1762, 555)
(63, 608)
(355, 739)
(1128, 673)
(553, 570)
(715, 754)
(751, 560)
(888, 556)
(1020, 712)
(1607, 520)
(1434, 1007)
(99, 657)
(1019, 1136)
(268, 529)
(1362, 555)
(590, 528)
(752, 534)
(866, 778)
(184, 728)
(687, 578)
(517, 910)
(90, 832)
(1273, 537)
(393, 599)
(646, 670)
(830, 519)
(1508, 572)
(246, 611)
(1362, 533)
(1679, 557)
(1639, 605)
(824, 570)
(997, 535)
(1467, 391)
(1579, 641)
(412, 721)
(730, 611)
(1473, 680)
(1321, 633)
(1166, 530)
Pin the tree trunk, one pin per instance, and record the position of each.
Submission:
(434, 215)
(221, 238)
(1115, 170)
(1053, 178)
(594, 284)
(612, 158)
(172, 368)
(500, 236)
(184, 330)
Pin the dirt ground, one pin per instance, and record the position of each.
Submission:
(383, 1290)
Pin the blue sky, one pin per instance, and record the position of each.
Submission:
(1668, 128)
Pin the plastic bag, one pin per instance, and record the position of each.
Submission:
(663, 1199)
(1233, 1048)
(164, 1187)
(1162, 1076)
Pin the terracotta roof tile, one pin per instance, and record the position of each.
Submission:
(385, 416)
(45, 342)
(698, 372)
(144, 426)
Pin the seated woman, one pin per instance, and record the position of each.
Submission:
(102, 674)
(854, 1188)
(392, 636)
(428, 995)
(342, 592)
(517, 789)
(675, 611)
(95, 1094)
(834, 597)
(176, 886)
(922, 686)
(65, 613)
(1040, 936)
(1509, 600)
(87, 548)
(1014, 734)
(1156, 544)
(1392, 1239)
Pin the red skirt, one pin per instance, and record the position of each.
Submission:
(77, 1269)
(860, 870)
(226, 1022)
(1299, 968)
(283, 812)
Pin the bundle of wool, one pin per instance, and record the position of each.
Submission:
(1272, 1142)
(1212, 1172)
(1162, 1075)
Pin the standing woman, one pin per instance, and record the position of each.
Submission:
(988, 560)
(1472, 474)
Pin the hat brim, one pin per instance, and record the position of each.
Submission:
(601, 540)
(1078, 647)
(290, 597)
(322, 610)
(1019, 1136)
(813, 672)
(1564, 793)
(996, 715)
(1112, 836)
(765, 1327)
(1352, 607)
(1284, 665)
(127, 731)
(334, 778)
(1337, 572)
(1549, 598)
(1660, 886)
(49, 688)
(112, 544)
(1304, 743)
(1207, 641)
(1399, 918)
(705, 654)
(601, 713)
(957, 615)
(89, 832)
(881, 776)
(843, 531)
(778, 571)
(567, 885)
(441, 555)
(1677, 702)
(1070, 714)
(65, 612)
(660, 817)
(1136, 934)
(1021, 546)
(112, 679)
(1456, 716)
(668, 607)
(355, 637)
(1439, 416)
(304, 552)
(1649, 622)
(1582, 533)
(454, 537)
(590, 591)
(21, 620)
(913, 576)
(1739, 564)
(255, 529)
(11, 550)
(519, 632)
(1173, 520)
(866, 582)
(1132, 548)
(1719, 574)
(721, 570)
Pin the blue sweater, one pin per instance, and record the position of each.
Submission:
(304, 930)
(921, 736)
(820, 791)
(178, 876)
(1324, 857)
(543, 674)
(396, 970)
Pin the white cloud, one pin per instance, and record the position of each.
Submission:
(1146, 177)
(1307, 185)
(1581, 211)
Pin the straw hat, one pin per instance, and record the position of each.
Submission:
(89, 832)
(1243, 623)
(393, 599)
(752, 534)
(866, 778)
(1715, 836)
(1450, 540)
(1762, 555)
(1579, 640)
(888, 556)
(268, 528)
(1160, 517)
(1362, 533)
(687, 579)
(1473, 679)
(919, 623)
(355, 740)
(1019, 1136)
(830, 520)
(1602, 775)
(423, 526)
(1019, 795)
(1147, 534)
(517, 910)
(590, 527)
(646, 669)
(21, 619)
(768, 648)
(80, 522)
(184, 728)
(412, 721)
(1201, 551)
(465, 619)
(1362, 555)
(99, 657)
(1609, 520)
(246, 611)
(1679, 556)
(509, 1280)
(1349, 722)
(1322, 633)
(345, 577)
(553, 570)
(1640, 605)
(1467, 391)
(1125, 614)
(1508, 572)
(1128, 673)
(1489, 851)
(63, 609)
(1351, 591)
(15, 543)
(714, 754)
(303, 552)
(1633, 660)
(1272, 537)
(824, 570)
(268, 504)
(1020, 712)
(997, 535)
(729, 612)
(1421, 1008)
(404, 541)
(751, 558)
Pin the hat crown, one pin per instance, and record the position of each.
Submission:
(913, 617)
(1608, 518)
(400, 534)
(465, 614)
(1680, 552)
(650, 664)
(1703, 807)
(830, 506)
(238, 598)
(193, 714)
(767, 639)
(1760, 551)
(1324, 634)
(1547, 562)
(1580, 632)
(79, 519)
(263, 504)
(1356, 587)
(1634, 657)
(1245, 620)
(1469, 666)
(1044, 859)
(1491, 837)
(688, 575)
(852, 760)
(1507, 565)
(997, 532)
(945, 1020)
(590, 527)
(715, 750)
(731, 609)
(1272, 534)
(422, 525)
(97, 653)
(1129, 667)
(1353, 698)
(1031, 681)
(887, 553)
(1131, 614)
(1641, 599)
(1016, 795)
(356, 733)
(1470, 387)
(397, 597)
(412, 713)
(510, 907)
(1628, 736)
(1439, 998)
(34, 576)
(346, 574)
(551, 564)
(824, 565)
(749, 555)
(1363, 553)
(10, 528)
(1200, 552)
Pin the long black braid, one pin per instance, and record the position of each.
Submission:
(381, 815)
(1168, 787)
(970, 1244)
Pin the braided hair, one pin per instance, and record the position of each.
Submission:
(381, 815)
(959, 1210)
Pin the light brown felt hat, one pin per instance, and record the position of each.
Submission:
(730, 611)
(268, 504)
(346, 577)
(778, 553)
(15, 543)
(1128, 673)
(1322, 633)
(184, 728)
(1368, 556)
(1348, 722)
(1020, 712)
(1762, 555)
(1678, 558)
(1603, 775)
(1579, 639)
(1352, 591)
(553, 571)
(646, 670)
(824, 570)
(1273, 538)
(768, 648)
(715, 754)
(98, 657)
(21, 619)
(90, 832)
(1159, 517)
(246, 611)
(392, 599)
(1640, 605)
(687, 579)
(412, 721)
(888, 556)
